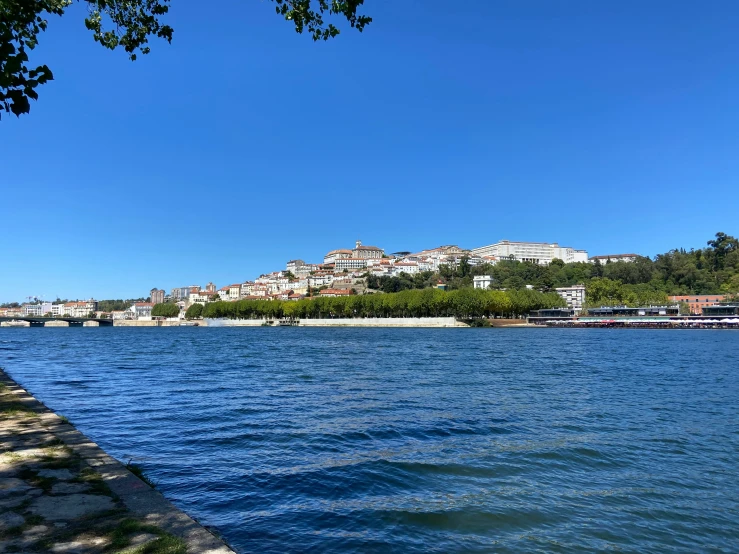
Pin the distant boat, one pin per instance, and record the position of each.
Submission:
(189, 324)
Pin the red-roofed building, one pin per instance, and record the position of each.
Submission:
(334, 292)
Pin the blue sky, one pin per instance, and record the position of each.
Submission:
(608, 126)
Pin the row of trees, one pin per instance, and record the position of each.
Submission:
(165, 310)
(462, 304)
(119, 304)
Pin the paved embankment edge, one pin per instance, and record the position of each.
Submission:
(138, 497)
(349, 322)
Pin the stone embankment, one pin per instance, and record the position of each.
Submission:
(59, 492)
(153, 323)
(347, 322)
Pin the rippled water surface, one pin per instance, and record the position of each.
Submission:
(414, 440)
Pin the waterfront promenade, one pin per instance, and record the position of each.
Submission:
(59, 492)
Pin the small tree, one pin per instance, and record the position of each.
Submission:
(195, 311)
(165, 310)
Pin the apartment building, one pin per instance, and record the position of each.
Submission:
(157, 296)
(574, 296)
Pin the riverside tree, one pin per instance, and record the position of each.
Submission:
(462, 304)
(195, 311)
(128, 24)
(165, 310)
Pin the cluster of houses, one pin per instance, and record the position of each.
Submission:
(341, 273)
(82, 308)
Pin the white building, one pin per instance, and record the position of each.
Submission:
(201, 297)
(139, 310)
(37, 309)
(541, 253)
(74, 309)
(614, 258)
(294, 265)
(320, 280)
(482, 281)
(574, 296)
(350, 263)
(411, 268)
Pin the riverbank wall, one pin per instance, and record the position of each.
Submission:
(439, 322)
(153, 323)
(62, 493)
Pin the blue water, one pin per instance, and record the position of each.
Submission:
(414, 440)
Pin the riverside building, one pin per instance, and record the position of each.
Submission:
(698, 301)
(574, 296)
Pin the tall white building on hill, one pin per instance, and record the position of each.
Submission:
(541, 253)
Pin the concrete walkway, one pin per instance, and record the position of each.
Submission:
(59, 492)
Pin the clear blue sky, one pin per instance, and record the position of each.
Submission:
(608, 126)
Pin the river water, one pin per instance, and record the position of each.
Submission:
(414, 440)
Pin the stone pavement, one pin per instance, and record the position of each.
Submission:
(60, 493)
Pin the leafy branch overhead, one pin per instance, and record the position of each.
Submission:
(128, 24)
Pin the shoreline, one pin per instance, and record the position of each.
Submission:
(62, 492)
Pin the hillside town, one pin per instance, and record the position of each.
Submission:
(346, 272)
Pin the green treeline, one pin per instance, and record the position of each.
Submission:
(118, 305)
(165, 310)
(462, 304)
(710, 270)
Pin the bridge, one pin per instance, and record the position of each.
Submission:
(38, 321)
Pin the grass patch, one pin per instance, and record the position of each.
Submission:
(53, 443)
(55, 453)
(121, 535)
(163, 545)
(13, 457)
(139, 472)
(62, 463)
(91, 477)
(17, 411)
(64, 419)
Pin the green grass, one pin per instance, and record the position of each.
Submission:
(139, 472)
(17, 410)
(163, 544)
(91, 477)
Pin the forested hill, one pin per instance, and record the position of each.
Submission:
(710, 270)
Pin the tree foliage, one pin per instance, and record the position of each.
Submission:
(128, 24)
(711, 270)
(430, 302)
(195, 311)
(165, 310)
(112, 305)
